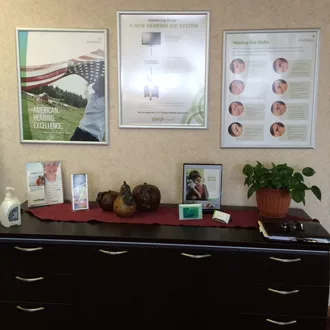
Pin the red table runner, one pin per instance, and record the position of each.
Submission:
(164, 215)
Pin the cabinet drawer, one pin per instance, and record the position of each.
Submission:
(36, 287)
(291, 267)
(271, 322)
(109, 259)
(117, 288)
(191, 263)
(36, 257)
(107, 274)
(38, 316)
(293, 299)
(157, 317)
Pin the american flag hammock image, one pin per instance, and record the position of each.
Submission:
(89, 67)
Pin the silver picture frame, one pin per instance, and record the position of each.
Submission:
(202, 184)
(269, 88)
(58, 71)
(161, 84)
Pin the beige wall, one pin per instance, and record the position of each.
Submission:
(157, 155)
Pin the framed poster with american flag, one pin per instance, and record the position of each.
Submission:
(63, 85)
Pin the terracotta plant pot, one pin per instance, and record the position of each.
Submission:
(273, 203)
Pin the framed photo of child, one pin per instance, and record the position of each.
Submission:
(79, 184)
(202, 184)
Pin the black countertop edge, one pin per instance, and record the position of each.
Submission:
(109, 241)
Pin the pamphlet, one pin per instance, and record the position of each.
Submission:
(44, 183)
(221, 217)
(79, 187)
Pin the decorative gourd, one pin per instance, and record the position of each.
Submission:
(147, 197)
(124, 205)
(106, 198)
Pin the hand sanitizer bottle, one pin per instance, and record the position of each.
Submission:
(10, 209)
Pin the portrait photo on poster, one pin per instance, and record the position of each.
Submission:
(79, 184)
(202, 184)
(62, 85)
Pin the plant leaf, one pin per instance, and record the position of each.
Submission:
(300, 187)
(308, 171)
(247, 170)
(276, 184)
(290, 171)
(251, 190)
(298, 196)
(298, 176)
(317, 192)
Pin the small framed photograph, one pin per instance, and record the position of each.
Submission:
(202, 185)
(79, 184)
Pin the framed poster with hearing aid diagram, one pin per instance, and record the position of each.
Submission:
(202, 184)
(163, 69)
(269, 88)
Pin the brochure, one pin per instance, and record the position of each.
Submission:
(44, 183)
(79, 187)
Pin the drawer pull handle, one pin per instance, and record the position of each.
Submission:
(285, 260)
(283, 292)
(196, 256)
(30, 310)
(29, 280)
(113, 253)
(281, 323)
(28, 249)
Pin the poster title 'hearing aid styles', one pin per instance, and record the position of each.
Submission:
(269, 88)
(163, 65)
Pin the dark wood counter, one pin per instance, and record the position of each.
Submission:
(69, 275)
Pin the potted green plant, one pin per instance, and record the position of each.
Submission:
(276, 186)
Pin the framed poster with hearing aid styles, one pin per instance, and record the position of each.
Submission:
(163, 69)
(269, 88)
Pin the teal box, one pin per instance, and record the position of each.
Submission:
(190, 211)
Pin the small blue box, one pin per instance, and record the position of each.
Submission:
(190, 211)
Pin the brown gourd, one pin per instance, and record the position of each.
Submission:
(105, 199)
(124, 205)
(147, 197)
